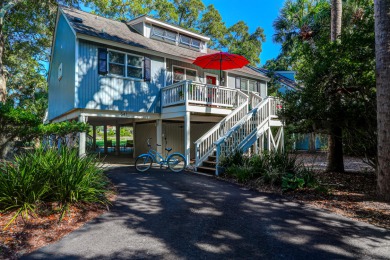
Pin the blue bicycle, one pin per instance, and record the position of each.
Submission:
(176, 162)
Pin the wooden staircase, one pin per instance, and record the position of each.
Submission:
(209, 165)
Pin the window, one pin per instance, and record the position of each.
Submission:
(244, 84)
(190, 42)
(125, 65)
(191, 75)
(252, 86)
(180, 74)
(163, 34)
(247, 84)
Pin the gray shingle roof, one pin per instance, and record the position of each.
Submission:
(97, 26)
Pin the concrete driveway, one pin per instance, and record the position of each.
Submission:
(165, 215)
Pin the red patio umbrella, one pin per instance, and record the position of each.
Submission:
(221, 61)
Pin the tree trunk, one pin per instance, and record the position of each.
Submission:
(382, 43)
(335, 141)
(5, 7)
(335, 150)
(3, 84)
(337, 11)
(312, 143)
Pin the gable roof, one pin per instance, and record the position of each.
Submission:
(120, 32)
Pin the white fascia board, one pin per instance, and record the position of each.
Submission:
(168, 26)
(132, 48)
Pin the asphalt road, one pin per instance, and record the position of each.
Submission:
(165, 215)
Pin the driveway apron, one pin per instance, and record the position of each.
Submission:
(165, 215)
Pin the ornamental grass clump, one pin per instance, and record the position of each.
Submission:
(50, 176)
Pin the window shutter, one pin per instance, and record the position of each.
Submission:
(258, 87)
(238, 82)
(102, 61)
(147, 69)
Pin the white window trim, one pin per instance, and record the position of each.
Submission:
(125, 65)
(185, 72)
(165, 38)
(213, 75)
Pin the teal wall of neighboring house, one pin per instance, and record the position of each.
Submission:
(62, 92)
(105, 92)
(303, 144)
(287, 74)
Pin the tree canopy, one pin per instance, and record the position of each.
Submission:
(338, 77)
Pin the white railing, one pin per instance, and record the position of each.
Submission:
(205, 145)
(254, 99)
(173, 94)
(256, 120)
(188, 92)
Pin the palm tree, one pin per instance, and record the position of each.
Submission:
(299, 20)
(382, 42)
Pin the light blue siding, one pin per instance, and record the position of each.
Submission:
(107, 92)
(61, 92)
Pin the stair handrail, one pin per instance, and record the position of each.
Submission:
(258, 117)
(255, 99)
(208, 139)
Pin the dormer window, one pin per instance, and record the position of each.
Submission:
(163, 34)
(190, 42)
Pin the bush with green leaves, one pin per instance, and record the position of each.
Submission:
(279, 168)
(58, 176)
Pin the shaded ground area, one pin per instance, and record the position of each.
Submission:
(352, 194)
(165, 215)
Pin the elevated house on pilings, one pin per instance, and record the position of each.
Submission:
(140, 74)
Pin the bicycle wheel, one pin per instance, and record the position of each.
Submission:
(143, 163)
(176, 162)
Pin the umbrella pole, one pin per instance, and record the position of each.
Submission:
(220, 69)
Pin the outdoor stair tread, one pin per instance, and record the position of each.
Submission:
(213, 162)
(207, 168)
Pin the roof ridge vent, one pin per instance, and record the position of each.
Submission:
(77, 20)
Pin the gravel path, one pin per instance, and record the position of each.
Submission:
(164, 215)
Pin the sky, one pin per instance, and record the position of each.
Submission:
(254, 13)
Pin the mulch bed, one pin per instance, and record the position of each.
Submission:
(26, 235)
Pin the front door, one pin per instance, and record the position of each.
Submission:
(211, 80)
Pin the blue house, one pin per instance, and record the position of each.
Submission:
(140, 73)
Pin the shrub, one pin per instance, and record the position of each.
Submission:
(270, 168)
(241, 173)
(50, 176)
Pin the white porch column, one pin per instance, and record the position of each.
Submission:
(82, 138)
(187, 136)
(159, 135)
(105, 139)
(94, 137)
(118, 139)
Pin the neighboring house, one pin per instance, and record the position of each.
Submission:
(303, 142)
(140, 74)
